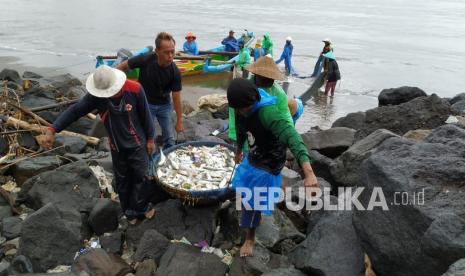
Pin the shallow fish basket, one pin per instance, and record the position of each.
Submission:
(201, 198)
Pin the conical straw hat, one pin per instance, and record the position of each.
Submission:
(266, 67)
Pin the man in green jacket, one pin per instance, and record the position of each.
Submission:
(243, 60)
(268, 133)
(267, 45)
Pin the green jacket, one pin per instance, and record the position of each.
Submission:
(271, 134)
(267, 44)
(244, 58)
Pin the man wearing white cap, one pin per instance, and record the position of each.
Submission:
(125, 113)
(286, 55)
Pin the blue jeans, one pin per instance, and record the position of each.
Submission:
(163, 114)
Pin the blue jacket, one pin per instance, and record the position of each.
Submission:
(230, 44)
(129, 123)
(191, 48)
(258, 53)
(286, 55)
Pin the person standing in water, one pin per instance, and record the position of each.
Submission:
(287, 56)
(267, 45)
(332, 73)
(319, 64)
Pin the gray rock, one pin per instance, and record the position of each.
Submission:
(346, 170)
(146, 268)
(332, 248)
(47, 240)
(104, 216)
(457, 98)
(11, 227)
(417, 134)
(228, 221)
(261, 262)
(31, 75)
(26, 169)
(71, 188)
(331, 142)
(11, 75)
(28, 141)
(284, 272)
(196, 129)
(400, 241)
(61, 83)
(322, 166)
(395, 96)
(74, 145)
(113, 242)
(456, 269)
(39, 96)
(354, 120)
(275, 229)
(459, 108)
(5, 212)
(419, 113)
(21, 264)
(98, 262)
(4, 265)
(76, 92)
(151, 246)
(4, 146)
(104, 145)
(183, 259)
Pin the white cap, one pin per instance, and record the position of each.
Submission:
(288, 38)
(327, 40)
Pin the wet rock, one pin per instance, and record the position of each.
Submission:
(459, 108)
(26, 169)
(332, 248)
(261, 262)
(151, 246)
(182, 259)
(331, 142)
(4, 146)
(457, 98)
(5, 212)
(38, 97)
(321, 165)
(11, 75)
(104, 216)
(174, 221)
(419, 113)
(11, 227)
(146, 268)
(395, 96)
(456, 269)
(74, 145)
(71, 188)
(276, 229)
(417, 135)
(354, 120)
(28, 141)
(47, 240)
(425, 239)
(346, 170)
(112, 242)
(99, 262)
(284, 272)
(31, 75)
(201, 130)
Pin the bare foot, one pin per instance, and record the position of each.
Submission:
(149, 214)
(132, 221)
(247, 248)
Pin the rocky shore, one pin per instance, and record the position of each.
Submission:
(58, 215)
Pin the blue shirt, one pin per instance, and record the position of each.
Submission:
(191, 48)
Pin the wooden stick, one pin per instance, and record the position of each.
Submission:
(218, 53)
(13, 132)
(30, 113)
(50, 106)
(36, 128)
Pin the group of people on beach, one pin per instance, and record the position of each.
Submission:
(326, 63)
(262, 120)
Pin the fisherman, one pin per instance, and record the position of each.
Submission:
(125, 113)
(269, 133)
(265, 73)
(296, 108)
(258, 51)
(160, 77)
(286, 55)
(332, 73)
(243, 60)
(190, 46)
(267, 45)
(319, 64)
(230, 43)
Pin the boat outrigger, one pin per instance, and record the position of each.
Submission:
(215, 60)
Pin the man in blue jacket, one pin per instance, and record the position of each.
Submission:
(125, 113)
(230, 43)
(287, 56)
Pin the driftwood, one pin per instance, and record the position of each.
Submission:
(30, 113)
(40, 129)
(50, 106)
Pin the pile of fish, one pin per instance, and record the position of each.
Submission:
(197, 168)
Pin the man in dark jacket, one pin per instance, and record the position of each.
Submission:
(268, 133)
(332, 73)
(125, 113)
